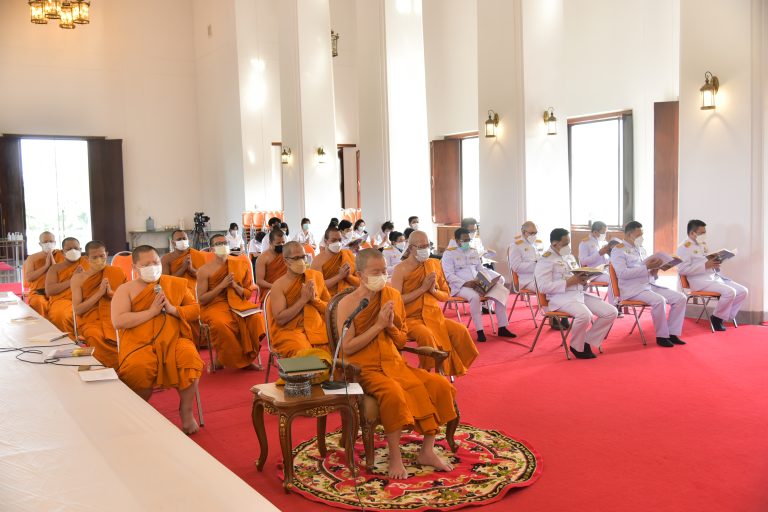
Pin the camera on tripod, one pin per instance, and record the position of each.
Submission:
(201, 219)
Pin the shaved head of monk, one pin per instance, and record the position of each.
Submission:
(70, 243)
(47, 237)
(370, 261)
(179, 234)
(293, 250)
(145, 255)
(95, 249)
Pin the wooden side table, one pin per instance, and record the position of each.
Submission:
(272, 398)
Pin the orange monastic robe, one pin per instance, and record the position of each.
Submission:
(198, 260)
(60, 305)
(159, 353)
(407, 396)
(236, 338)
(275, 269)
(307, 329)
(96, 324)
(331, 269)
(429, 327)
(37, 298)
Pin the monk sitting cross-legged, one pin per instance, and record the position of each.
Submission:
(92, 293)
(296, 306)
(223, 287)
(422, 283)
(407, 397)
(152, 316)
(270, 266)
(57, 285)
(336, 264)
(35, 268)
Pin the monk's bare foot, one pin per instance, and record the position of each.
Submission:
(430, 458)
(251, 367)
(188, 424)
(397, 470)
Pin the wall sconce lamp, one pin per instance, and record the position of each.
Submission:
(321, 155)
(551, 121)
(709, 91)
(334, 44)
(285, 156)
(491, 124)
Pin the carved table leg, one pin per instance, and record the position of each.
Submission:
(287, 446)
(258, 426)
(321, 435)
(353, 426)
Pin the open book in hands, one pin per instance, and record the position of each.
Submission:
(722, 255)
(667, 260)
(487, 279)
(590, 272)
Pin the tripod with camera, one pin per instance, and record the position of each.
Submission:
(200, 235)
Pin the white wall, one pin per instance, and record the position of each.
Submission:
(345, 72)
(585, 57)
(450, 55)
(722, 172)
(117, 78)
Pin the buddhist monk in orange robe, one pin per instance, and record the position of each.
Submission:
(297, 304)
(57, 285)
(336, 264)
(421, 282)
(270, 266)
(224, 285)
(407, 397)
(35, 268)
(183, 261)
(152, 315)
(92, 293)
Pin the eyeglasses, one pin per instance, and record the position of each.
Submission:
(219, 244)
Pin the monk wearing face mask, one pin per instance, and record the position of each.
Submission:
(224, 286)
(271, 265)
(182, 261)
(297, 307)
(152, 315)
(35, 268)
(57, 288)
(92, 293)
(336, 264)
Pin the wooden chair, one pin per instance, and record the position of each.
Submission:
(548, 317)
(453, 303)
(633, 304)
(369, 410)
(273, 356)
(704, 296)
(524, 295)
(123, 261)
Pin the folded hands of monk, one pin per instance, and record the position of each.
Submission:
(308, 292)
(386, 319)
(344, 270)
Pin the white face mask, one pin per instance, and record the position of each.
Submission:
(565, 251)
(334, 247)
(233, 232)
(48, 246)
(701, 239)
(400, 245)
(415, 226)
(601, 237)
(639, 241)
(376, 283)
(221, 250)
(361, 229)
(531, 239)
(181, 245)
(151, 273)
(422, 255)
(472, 234)
(72, 255)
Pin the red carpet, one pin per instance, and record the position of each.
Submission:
(637, 429)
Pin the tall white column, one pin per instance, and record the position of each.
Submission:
(310, 188)
(500, 88)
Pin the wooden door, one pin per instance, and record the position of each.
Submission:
(665, 175)
(446, 181)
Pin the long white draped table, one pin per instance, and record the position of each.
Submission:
(69, 445)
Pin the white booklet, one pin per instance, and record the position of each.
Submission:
(97, 375)
(353, 388)
(247, 312)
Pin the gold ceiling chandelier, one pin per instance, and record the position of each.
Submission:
(70, 13)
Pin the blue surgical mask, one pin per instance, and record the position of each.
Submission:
(465, 246)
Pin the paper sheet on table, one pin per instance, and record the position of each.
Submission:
(48, 337)
(353, 388)
(97, 375)
(8, 298)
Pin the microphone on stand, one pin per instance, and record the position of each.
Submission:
(158, 291)
(330, 384)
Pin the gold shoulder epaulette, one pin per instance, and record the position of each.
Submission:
(619, 246)
(547, 254)
(687, 244)
(538, 241)
(518, 242)
(451, 248)
(518, 236)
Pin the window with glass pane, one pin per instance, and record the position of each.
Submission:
(600, 155)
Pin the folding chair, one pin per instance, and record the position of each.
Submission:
(273, 356)
(123, 261)
(595, 286)
(524, 295)
(549, 316)
(633, 304)
(705, 297)
(453, 303)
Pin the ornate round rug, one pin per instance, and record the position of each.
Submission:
(487, 465)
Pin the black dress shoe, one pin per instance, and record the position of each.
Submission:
(480, 336)
(506, 333)
(559, 324)
(677, 341)
(717, 323)
(664, 342)
(583, 354)
(588, 350)
(564, 323)
(484, 311)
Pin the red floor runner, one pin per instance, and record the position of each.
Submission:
(637, 429)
